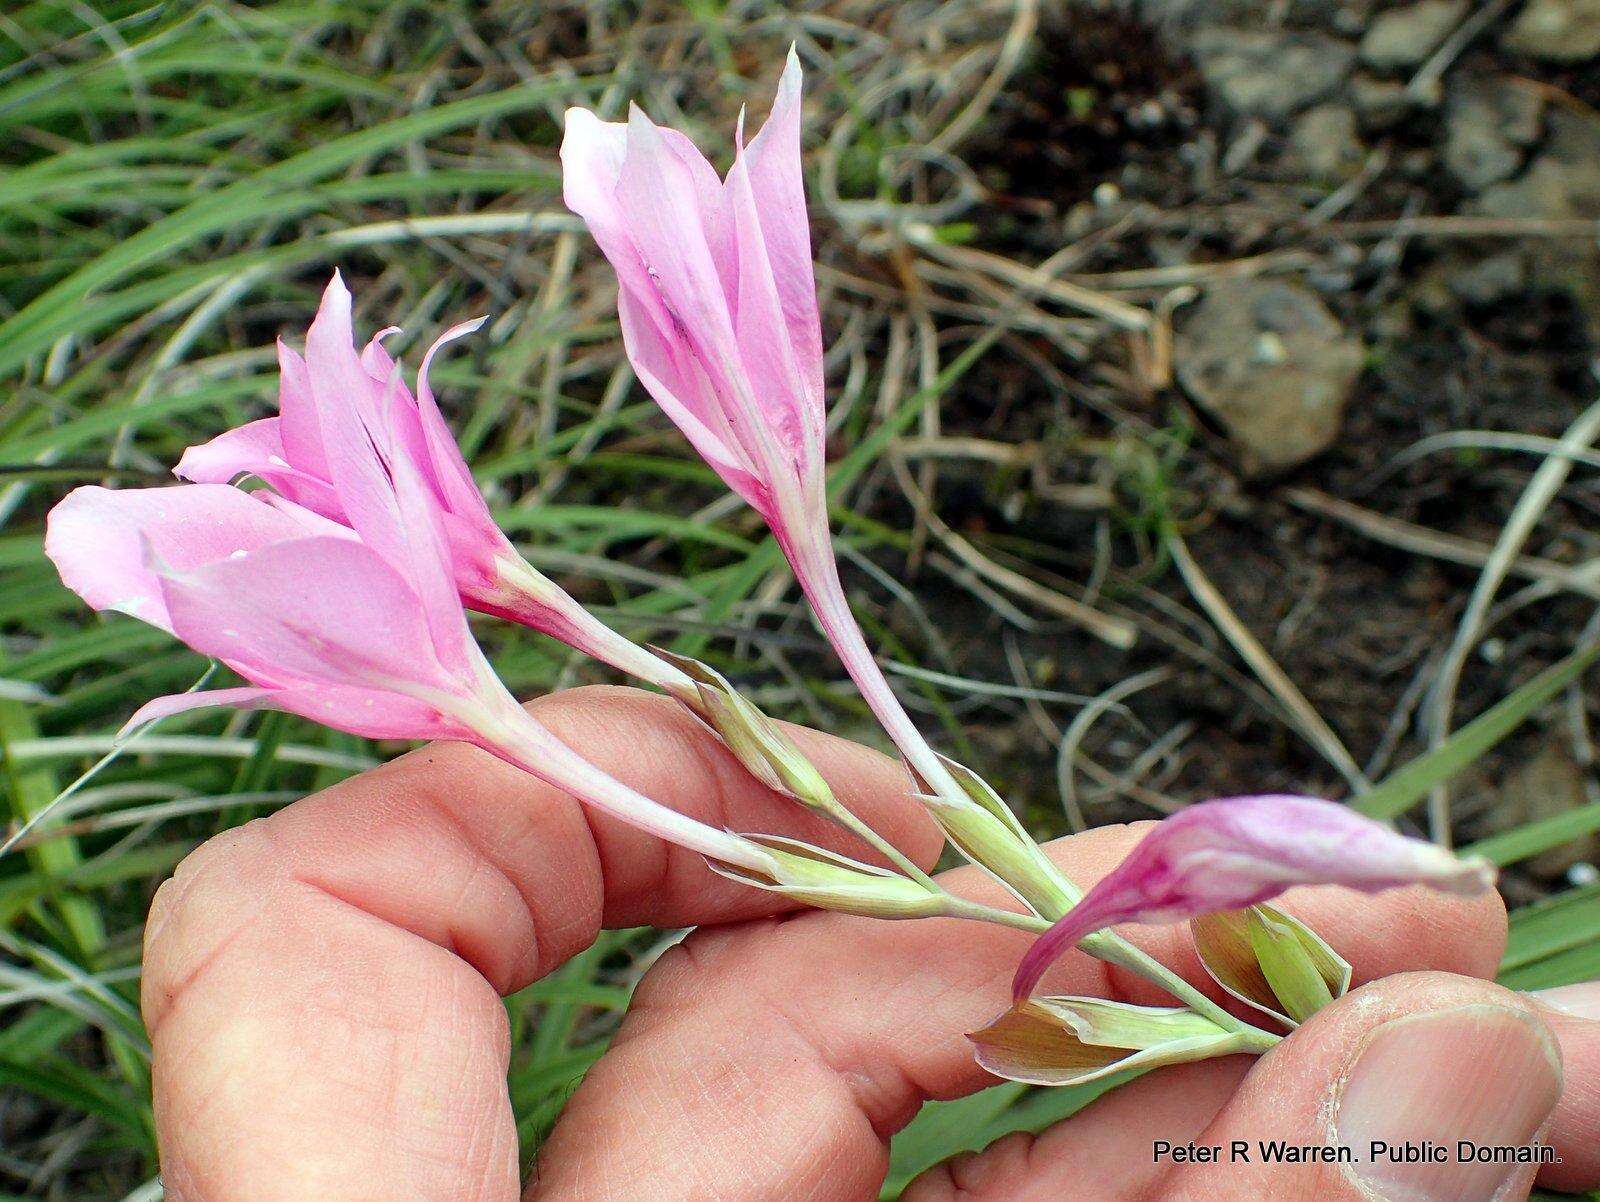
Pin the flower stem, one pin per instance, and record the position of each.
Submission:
(1114, 949)
(818, 574)
(856, 826)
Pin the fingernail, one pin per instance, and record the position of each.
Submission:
(1580, 1000)
(1484, 1074)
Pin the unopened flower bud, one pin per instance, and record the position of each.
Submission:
(830, 881)
(1270, 960)
(755, 740)
(987, 833)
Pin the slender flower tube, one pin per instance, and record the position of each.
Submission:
(719, 316)
(295, 454)
(360, 628)
(1240, 851)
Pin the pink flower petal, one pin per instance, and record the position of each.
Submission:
(256, 449)
(667, 368)
(301, 430)
(713, 336)
(94, 538)
(789, 401)
(244, 450)
(375, 359)
(366, 713)
(325, 611)
(663, 205)
(1239, 851)
(778, 189)
(362, 446)
(451, 477)
(592, 155)
(246, 697)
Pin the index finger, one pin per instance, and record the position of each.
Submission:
(321, 986)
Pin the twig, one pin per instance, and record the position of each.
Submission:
(1067, 752)
(1116, 631)
(1540, 491)
(1012, 49)
(1301, 712)
(1450, 548)
(1428, 75)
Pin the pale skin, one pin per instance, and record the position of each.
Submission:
(323, 992)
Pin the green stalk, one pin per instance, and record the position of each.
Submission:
(1114, 949)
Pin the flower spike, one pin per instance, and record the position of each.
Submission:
(358, 626)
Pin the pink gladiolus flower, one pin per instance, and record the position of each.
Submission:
(717, 302)
(719, 317)
(1240, 851)
(357, 627)
(303, 456)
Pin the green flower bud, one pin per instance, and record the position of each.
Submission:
(1270, 960)
(988, 834)
(755, 740)
(833, 882)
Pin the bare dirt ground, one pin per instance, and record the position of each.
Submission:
(1371, 227)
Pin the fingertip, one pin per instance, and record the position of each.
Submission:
(1573, 1013)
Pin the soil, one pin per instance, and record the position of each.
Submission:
(1111, 107)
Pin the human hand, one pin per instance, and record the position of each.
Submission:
(322, 991)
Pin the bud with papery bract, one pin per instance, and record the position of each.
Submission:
(755, 740)
(983, 828)
(305, 455)
(1270, 961)
(1075, 1040)
(1239, 851)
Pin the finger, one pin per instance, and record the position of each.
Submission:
(786, 1053)
(1573, 1013)
(1392, 1092)
(1103, 1152)
(321, 986)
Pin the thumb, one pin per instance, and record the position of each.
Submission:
(1417, 1088)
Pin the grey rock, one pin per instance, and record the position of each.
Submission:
(1478, 156)
(1380, 104)
(1558, 31)
(1324, 142)
(1573, 142)
(1562, 183)
(1540, 192)
(1271, 363)
(1402, 38)
(1490, 280)
(1270, 74)
(1351, 18)
(1487, 123)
